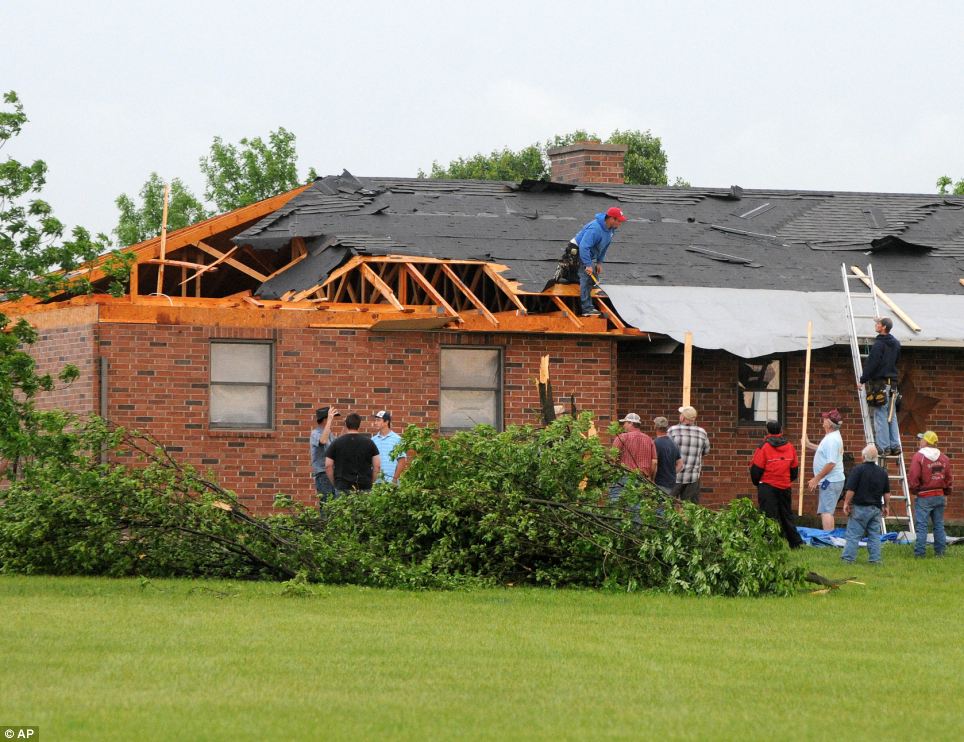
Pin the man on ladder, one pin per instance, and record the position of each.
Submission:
(879, 378)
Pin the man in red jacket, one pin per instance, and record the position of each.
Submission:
(930, 480)
(773, 467)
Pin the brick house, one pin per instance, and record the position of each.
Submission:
(436, 300)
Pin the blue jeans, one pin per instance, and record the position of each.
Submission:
(864, 519)
(585, 286)
(885, 432)
(924, 509)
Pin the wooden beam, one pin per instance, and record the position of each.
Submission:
(306, 293)
(429, 289)
(133, 285)
(505, 286)
(375, 280)
(211, 266)
(160, 270)
(887, 300)
(231, 261)
(476, 302)
(610, 314)
(179, 264)
(298, 247)
(567, 311)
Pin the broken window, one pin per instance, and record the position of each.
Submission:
(471, 388)
(760, 386)
(241, 385)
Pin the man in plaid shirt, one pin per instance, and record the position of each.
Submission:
(693, 444)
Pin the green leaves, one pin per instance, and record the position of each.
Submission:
(139, 222)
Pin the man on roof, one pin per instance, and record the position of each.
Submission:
(593, 242)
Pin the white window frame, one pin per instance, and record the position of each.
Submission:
(497, 390)
(267, 424)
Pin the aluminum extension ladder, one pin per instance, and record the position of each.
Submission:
(900, 478)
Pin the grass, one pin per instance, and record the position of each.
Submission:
(122, 659)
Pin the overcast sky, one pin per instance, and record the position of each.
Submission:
(816, 95)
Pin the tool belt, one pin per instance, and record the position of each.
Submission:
(877, 389)
(569, 265)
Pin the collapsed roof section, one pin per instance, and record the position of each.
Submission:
(478, 255)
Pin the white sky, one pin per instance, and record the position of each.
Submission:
(841, 95)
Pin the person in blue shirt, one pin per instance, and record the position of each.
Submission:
(385, 440)
(593, 242)
(828, 470)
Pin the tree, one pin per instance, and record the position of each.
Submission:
(32, 247)
(252, 170)
(943, 182)
(645, 161)
(140, 222)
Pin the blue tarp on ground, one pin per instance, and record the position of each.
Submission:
(836, 537)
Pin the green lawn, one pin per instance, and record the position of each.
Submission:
(115, 659)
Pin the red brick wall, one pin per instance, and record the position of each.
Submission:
(159, 382)
(66, 336)
(651, 385)
(588, 162)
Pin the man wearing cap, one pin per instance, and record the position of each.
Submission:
(636, 449)
(828, 471)
(668, 459)
(773, 467)
(865, 499)
(694, 444)
(593, 242)
(930, 480)
(880, 371)
(385, 440)
(321, 436)
(352, 462)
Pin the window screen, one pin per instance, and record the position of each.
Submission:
(471, 388)
(241, 385)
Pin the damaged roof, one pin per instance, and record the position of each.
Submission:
(733, 237)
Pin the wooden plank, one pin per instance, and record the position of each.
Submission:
(306, 293)
(476, 302)
(231, 261)
(429, 289)
(211, 266)
(610, 314)
(375, 280)
(285, 267)
(687, 367)
(887, 300)
(132, 287)
(806, 404)
(163, 248)
(252, 300)
(505, 286)
(567, 311)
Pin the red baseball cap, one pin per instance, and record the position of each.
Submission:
(833, 416)
(616, 213)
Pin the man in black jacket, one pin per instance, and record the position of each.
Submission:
(880, 371)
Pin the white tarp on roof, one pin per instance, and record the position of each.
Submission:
(756, 322)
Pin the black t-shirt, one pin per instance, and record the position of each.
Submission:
(352, 454)
(869, 483)
(667, 454)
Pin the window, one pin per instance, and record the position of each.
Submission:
(759, 390)
(241, 385)
(471, 388)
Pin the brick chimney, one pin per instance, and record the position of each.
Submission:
(588, 162)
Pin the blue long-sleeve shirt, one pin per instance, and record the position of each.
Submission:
(593, 240)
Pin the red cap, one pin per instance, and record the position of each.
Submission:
(616, 213)
(833, 416)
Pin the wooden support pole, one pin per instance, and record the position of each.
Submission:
(163, 252)
(231, 261)
(898, 312)
(505, 286)
(429, 289)
(806, 404)
(211, 266)
(687, 367)
(133, 287)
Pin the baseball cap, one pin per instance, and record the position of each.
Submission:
(631, 417)
(833, 416)
(928, 436)
(688, 412)
(616, 213)
(384, 415)
(660, 422)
